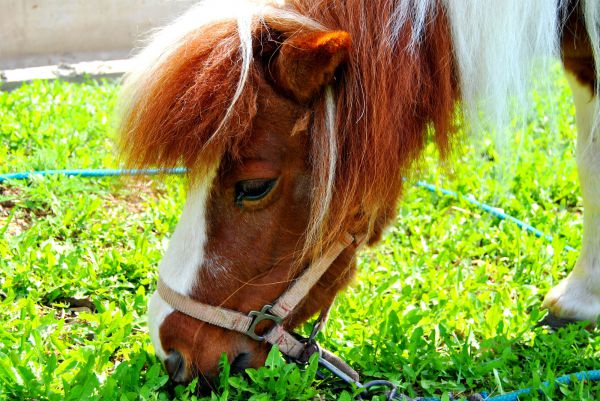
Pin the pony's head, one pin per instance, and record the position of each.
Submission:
(234, 101)
(249, 97)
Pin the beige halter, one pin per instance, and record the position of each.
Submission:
(229, 319)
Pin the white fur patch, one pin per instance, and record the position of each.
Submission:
(183, 259)
(497, 44)
(330, 153)
(185, 254)
(327, 156)
(417, 11)
(158, 310)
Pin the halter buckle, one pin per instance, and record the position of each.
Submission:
(258, 317)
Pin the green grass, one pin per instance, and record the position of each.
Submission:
(446, 303)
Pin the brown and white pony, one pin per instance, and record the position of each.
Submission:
(297, 121)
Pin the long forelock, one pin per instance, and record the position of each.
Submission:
(191, 97)
(324, 159)
(179, 109)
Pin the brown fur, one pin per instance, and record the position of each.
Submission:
(387, 98)
(576, 50)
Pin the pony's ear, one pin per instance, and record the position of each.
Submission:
(306, 62)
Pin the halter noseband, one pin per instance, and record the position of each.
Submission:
(246, 324)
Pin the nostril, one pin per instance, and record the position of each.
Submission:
(175, 365)
(240, 362)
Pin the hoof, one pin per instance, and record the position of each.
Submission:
(555, 322)
(575, 299)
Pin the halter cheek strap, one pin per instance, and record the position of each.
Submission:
(233, 320)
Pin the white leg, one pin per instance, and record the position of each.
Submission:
(578, 296)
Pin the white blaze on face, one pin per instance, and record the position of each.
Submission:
(183, 259)
(158, 310)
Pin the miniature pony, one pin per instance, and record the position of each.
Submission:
(297, 121)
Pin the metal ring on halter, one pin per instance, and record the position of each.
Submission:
(392, 394)
(260, 316)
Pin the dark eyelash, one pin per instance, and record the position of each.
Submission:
(252, 190)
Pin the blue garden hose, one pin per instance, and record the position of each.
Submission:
(89, 173)
(491, 210)
(591, 375)
(181, 170)
(588, 375)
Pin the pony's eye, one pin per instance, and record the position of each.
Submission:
(252, 190)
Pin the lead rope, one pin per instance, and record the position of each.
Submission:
(336, 365)
(339, 368)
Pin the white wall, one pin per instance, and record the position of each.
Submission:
(41, 32)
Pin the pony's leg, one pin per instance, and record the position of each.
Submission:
(577, 297)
